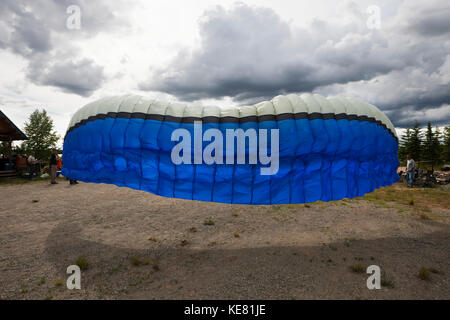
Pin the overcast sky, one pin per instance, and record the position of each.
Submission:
(225, 52)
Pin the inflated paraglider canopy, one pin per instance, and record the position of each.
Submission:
(292, 149)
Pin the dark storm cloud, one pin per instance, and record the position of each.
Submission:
(37, 31)
(250, 54)
(80, 77)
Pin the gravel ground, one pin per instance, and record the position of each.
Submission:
(141, 246)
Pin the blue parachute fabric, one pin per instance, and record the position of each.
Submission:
(319, 159)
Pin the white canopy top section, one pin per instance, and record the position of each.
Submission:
(292, 103)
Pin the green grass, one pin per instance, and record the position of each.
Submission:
(135, 261)
(208, 222)
(23, 289)
(115, 269)
(387, 283)
(41, 281)
(404, 199)
(357, 268)
(348, 241)
(424, 274)
(82, 263)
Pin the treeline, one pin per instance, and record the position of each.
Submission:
(425, 145)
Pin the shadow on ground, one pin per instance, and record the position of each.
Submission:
(269, 272)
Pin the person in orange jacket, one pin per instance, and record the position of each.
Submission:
(58, 163)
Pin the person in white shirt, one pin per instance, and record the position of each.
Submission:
(31, 159)
(410, 166)
(32, 163)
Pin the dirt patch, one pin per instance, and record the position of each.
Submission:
(137, 245)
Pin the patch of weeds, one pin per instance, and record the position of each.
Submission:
(208, 222)
(236, 234)
(135, 261)
(424, 274)
(23, 288)
(193, 229)
(307, 205)
(156, 267)
(411, 202)
(41, 281)
(35, 200)
(357, 268)
(276, 208)
(387, 283)
(115, 269)
(58, 282)
(212, 243)
(359, 258)
(146, 262)
(48, 298)
(332, 247)
(82, 263)
(348, 241)
(134, 284)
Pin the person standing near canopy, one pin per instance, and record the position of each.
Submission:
(410, 166)
(53, 167)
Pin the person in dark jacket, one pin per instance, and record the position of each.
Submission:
(53, 167)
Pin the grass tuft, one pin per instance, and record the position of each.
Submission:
(82, 263)
(424, 274)
(135, 261)
(357, 268)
